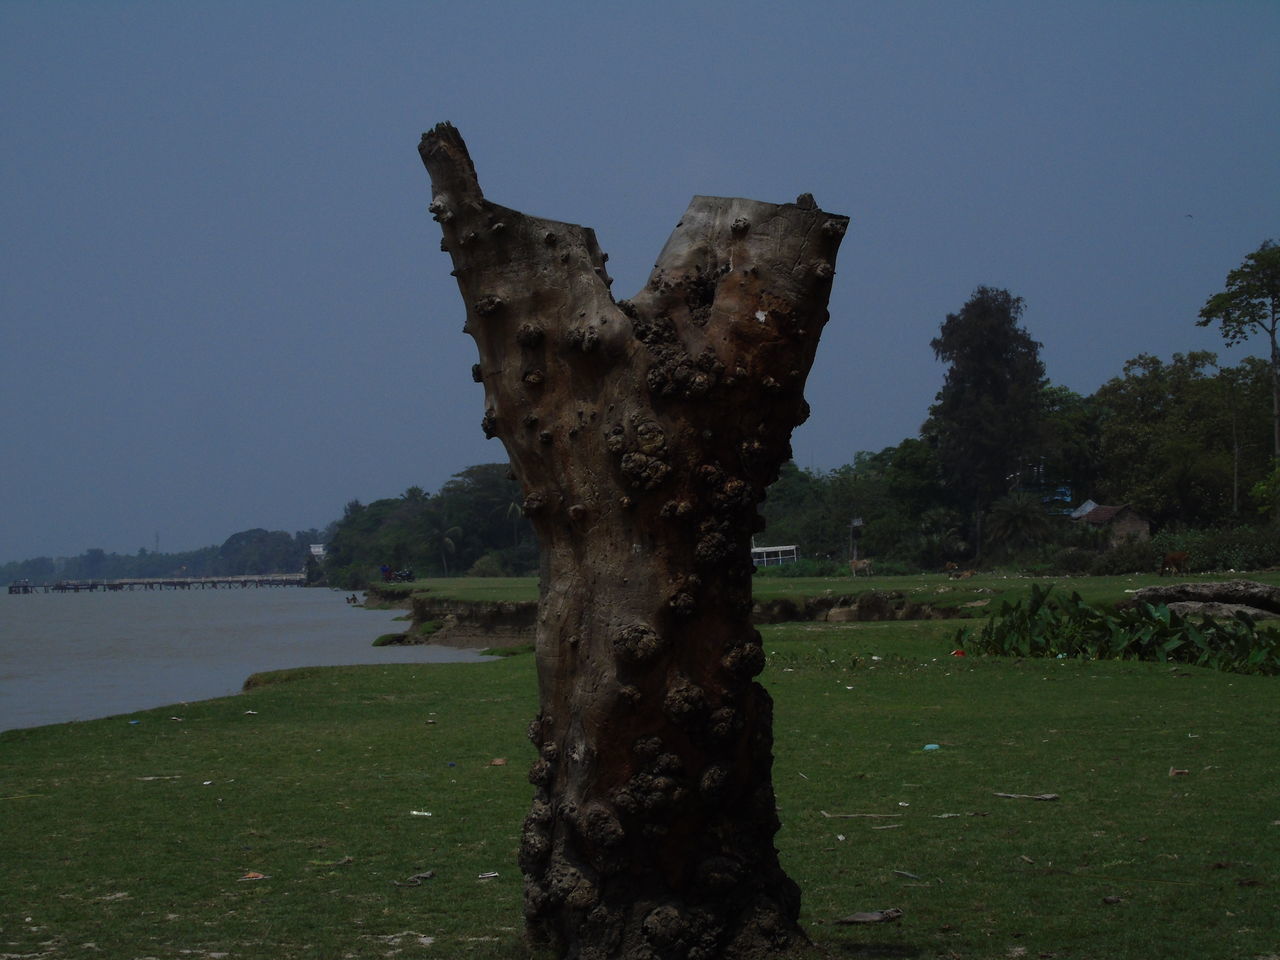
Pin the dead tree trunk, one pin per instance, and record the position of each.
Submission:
(644, 433)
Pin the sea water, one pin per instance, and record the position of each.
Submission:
(77, 656)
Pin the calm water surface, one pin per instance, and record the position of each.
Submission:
(77, 656)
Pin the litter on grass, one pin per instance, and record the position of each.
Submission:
(873, 916)
(854, 816)
(254, 875)
(416, 879)
(419, 813)
(1028, 796)
(398, 939)
(487, 876)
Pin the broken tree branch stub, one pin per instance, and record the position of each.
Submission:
(644, 434)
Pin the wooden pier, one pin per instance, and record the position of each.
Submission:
(161, 583)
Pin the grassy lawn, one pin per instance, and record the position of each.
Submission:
(933, 588)
(470, 589)
(144, 839)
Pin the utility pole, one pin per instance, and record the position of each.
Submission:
(855, 534)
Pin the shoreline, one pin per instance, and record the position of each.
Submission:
(69, 658)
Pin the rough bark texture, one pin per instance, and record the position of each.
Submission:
(644, 434)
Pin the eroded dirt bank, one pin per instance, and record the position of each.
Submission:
(481, 625)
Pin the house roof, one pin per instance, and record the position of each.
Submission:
(1101, 515)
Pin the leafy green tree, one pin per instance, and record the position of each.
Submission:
(899, 494)
(939, 538)
(36, 569)
(795, 513)
(985, 423)
(1068, 443)
(1250, 304)
(469, 518)
(1266, 492)
(484, 501)
(1179, 440)
(261, 551)
(1246, 390)
(93, 563)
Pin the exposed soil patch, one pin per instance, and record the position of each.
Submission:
(480, 625)
(859, 608)
(469, 625)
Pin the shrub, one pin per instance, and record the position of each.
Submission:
(489, 565)
(1071, 560)
(1131, 557)
(1228, 548)
(1039, 627)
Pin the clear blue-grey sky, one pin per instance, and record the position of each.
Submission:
(222, 302)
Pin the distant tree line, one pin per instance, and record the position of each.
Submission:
(990, 479)
(1184, 443)
(1187, 444)
(254, 551)
(1190, 445)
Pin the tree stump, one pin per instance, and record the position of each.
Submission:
(644, 434)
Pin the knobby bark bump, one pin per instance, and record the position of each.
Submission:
(644, 434)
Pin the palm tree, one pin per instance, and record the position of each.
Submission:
(439, 536)
(1017, 520)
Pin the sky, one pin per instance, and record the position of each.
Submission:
(223, 303)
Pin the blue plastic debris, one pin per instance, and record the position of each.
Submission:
(932, 746)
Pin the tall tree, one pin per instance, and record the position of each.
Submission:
(1251, 304)
(1179, 440)
(484, 501)
(985, 422)
(1068, 450)
(644, 434)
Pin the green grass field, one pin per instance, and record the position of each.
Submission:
(127, 839)
(933, 588)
